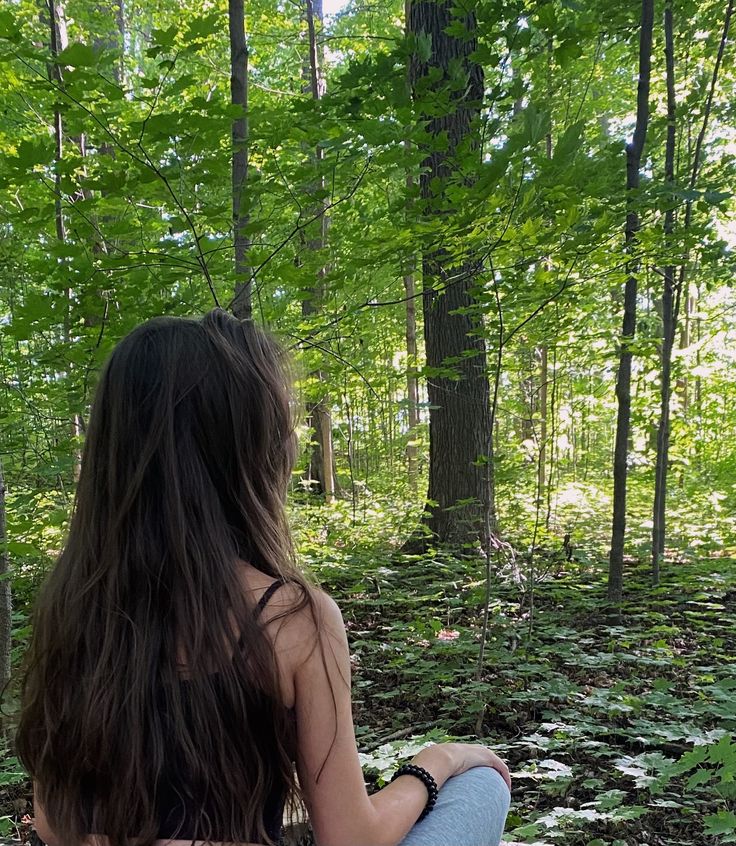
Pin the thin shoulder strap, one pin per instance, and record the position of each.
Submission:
(269, 592)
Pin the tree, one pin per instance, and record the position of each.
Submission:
(443, 69)
(673, 290)
(321, 459)
(634, 152)
(412, 381)
(668, 305)
(6, 603)
(241, 305)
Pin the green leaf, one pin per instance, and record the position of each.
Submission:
(78, 55)
(8, 26)
(536, 124)
(715, 197)
(20, 548)
(569, 142)
(724, 822)
(165, 37)
(202, 27)
(423, 46)
(32, 153)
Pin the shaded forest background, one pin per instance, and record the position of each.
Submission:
(498, 240)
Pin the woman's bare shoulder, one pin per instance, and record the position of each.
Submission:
(296, 616)
(302, 613)
(307, 603)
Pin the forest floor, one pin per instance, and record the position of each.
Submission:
(617, 729)
(593, 711)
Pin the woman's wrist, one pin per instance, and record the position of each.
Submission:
(427, 780)
(438, 761)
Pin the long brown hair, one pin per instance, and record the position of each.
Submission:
(188, 453)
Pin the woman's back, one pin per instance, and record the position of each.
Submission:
(179, 803)
(187, 457)
(158, 702)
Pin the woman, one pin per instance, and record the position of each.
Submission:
(180, 663)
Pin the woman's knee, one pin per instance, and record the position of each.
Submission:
(471, 809)
(489, 789)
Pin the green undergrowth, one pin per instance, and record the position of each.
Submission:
(617, 725)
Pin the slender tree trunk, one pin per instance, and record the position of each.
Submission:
(242, 303)
(668, 308)
(553, 475)
(542, 350)
(6, 605)
(674, 291)
(459, 419)
(120, 73)
(322, 460)
(543, 397)
(111, 37)
(527, 392)
(682, 381)
(58, 42)
(634, 152)
(412, 383)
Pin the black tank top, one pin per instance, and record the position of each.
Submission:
(178, 820)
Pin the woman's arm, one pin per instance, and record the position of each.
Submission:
(340, 810)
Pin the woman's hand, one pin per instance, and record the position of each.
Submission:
(465, 756)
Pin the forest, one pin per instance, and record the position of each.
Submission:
(498, 239)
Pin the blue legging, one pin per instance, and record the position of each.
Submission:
(471, 810)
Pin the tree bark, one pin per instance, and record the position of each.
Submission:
(120, 74)
(674, 291)
(321, 460)
(412, 383)
(457, 384)
(668, 308)
(6, 605)
(58, 41)
(634, 151)
(543, 391)
(542, 350)
(242, 303)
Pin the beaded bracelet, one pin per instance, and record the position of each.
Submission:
(428, 781)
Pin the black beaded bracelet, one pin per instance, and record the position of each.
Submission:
(428, 781)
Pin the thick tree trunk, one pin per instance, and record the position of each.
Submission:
(242, 303)
(457, 385)
(634, 152)
(459, 416)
